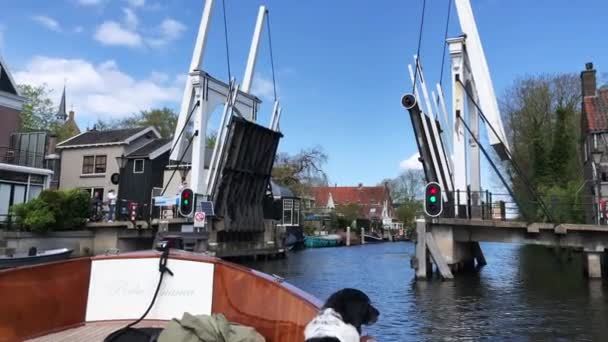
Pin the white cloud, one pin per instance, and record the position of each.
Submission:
(99, 90)
(411, 163)
(172, 29)
(262, 87)
(168, 31)
(90, 2)
(136, 3)
(47, 22)
(159, 77)
(126, 33)
(131, 19)
(113, 33)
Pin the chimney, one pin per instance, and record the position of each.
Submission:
(71, 115)
(588, 80)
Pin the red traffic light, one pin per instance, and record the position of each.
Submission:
(433, 204)
(186, 205)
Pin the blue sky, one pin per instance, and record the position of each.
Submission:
(341, 65)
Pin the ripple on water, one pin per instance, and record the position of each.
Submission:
(524, 294)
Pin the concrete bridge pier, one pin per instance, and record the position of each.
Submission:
(449, 256)
(593, 263)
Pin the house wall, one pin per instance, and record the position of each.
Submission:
(589, 196)
(9, 123)
(71, 168)
(137, 187)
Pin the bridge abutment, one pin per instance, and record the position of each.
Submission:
(437, 243)
(453, 244)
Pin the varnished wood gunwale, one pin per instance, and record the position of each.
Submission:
(275, 308)
(37, 299)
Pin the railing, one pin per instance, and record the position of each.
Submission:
(484, 205)
(21, 157)
(100, 210)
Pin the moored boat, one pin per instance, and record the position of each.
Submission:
(34, 257)
(331, 240)
(372, 238)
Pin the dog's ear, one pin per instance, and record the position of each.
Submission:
(372, 315)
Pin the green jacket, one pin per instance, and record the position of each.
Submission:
(204, 328)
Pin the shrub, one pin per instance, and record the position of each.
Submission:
(53, 210)
(35, 215)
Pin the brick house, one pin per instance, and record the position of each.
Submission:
(375, 202)
(22, 155)
(594, 144)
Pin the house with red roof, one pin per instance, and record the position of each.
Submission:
(594, 137)
(375, 202)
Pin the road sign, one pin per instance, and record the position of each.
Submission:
(199, 219)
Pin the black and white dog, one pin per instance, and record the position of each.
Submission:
(341, 318)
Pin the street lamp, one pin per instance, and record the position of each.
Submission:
(121, 161)
(597, 159)
(183, 172)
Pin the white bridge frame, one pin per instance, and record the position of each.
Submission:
(469, 67)
(204, 93)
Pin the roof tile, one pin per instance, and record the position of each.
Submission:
(95, 137)
(596, 111)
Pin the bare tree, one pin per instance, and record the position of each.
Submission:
(301, 171)
(408, 186)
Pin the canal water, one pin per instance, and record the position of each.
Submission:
(525, 293)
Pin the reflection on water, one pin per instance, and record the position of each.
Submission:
(525, 293)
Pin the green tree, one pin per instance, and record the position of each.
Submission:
(211, 140)
(407, 212)
(163, 119)
(542, 122)
(406, 191)
(38, 113)
(349, 212)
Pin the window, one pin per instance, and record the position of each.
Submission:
(95, 193)
(296, 212)
(291, 212)
(94, 164)
(287, 211)
(138, 166)
(100, 164)
(87, 164)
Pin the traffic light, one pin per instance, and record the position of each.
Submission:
(433, 205)
(186, 202)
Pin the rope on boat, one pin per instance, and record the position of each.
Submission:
(162, 268)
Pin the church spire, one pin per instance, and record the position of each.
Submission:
(61, 114)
